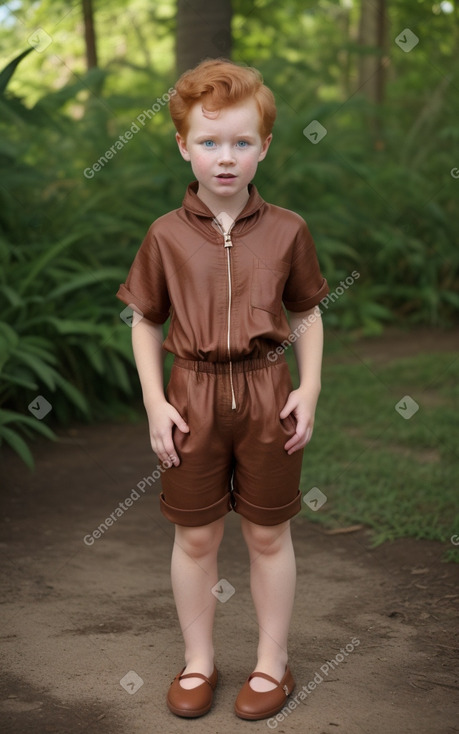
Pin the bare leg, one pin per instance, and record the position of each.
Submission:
(193, 574)
(272, 583)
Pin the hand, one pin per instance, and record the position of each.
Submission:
(161, 418)
(303, 406)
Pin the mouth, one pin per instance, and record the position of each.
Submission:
(226, 175)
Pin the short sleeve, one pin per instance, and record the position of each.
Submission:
(305, 286)
(146, 286)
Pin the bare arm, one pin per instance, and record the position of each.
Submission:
(302, 402)
(147, 339)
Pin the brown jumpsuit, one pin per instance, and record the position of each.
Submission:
(224, 292)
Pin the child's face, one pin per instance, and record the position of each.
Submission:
(224, 152)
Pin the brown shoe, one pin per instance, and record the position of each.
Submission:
(192, 702)
(253, 705)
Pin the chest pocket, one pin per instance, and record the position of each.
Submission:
(268, 281)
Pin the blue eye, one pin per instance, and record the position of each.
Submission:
(208, 143)
(243, 143)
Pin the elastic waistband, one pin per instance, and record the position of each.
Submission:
(222, 368)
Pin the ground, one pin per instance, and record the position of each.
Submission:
(77, 618)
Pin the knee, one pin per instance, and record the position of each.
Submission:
(199, 541)
(266, 539)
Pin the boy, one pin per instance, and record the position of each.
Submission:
(230, 429)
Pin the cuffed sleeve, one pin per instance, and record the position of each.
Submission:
(146, 286)
(305, 286)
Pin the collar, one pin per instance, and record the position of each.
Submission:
(193, 203)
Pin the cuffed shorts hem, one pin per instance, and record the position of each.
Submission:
(251, 512)
(266, 515)
(196, 517)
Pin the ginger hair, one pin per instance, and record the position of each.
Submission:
(217, 84)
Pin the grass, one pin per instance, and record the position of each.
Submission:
(397, 476)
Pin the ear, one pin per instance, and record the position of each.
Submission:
(264, 148)
(181, 142)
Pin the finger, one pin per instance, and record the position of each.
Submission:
(165, 450)
(287, 409)
(308, 435)
(290, 441)
(295, 442)
(179, 422)
(298, 445)
(173, 459)
(170, 454)
(298, 441)
(297, 436)
(301, 428)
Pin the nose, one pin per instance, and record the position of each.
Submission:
(226, 155)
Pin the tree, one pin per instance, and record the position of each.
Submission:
(372, 40)
(89, 34)
(203, 31)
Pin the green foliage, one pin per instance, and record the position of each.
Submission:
(372, 205)
(396, 476)
(65, 245)
(376, 191)
(9, 70)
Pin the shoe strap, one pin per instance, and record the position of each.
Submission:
(256, 674)
(196, 675)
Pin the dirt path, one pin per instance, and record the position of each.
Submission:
(77, 618)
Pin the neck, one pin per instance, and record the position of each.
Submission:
(229, 206)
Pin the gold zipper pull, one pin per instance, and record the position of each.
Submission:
(227, 237)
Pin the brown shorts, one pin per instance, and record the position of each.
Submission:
(231, 459)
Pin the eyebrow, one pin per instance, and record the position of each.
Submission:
(205, 136)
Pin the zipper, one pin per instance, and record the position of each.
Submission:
(228, 244)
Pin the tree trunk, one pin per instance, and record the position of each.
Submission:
(344, 56)
(203, 31)
(89, 34)
(372, 39)
(373, 61)
(381, 38)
